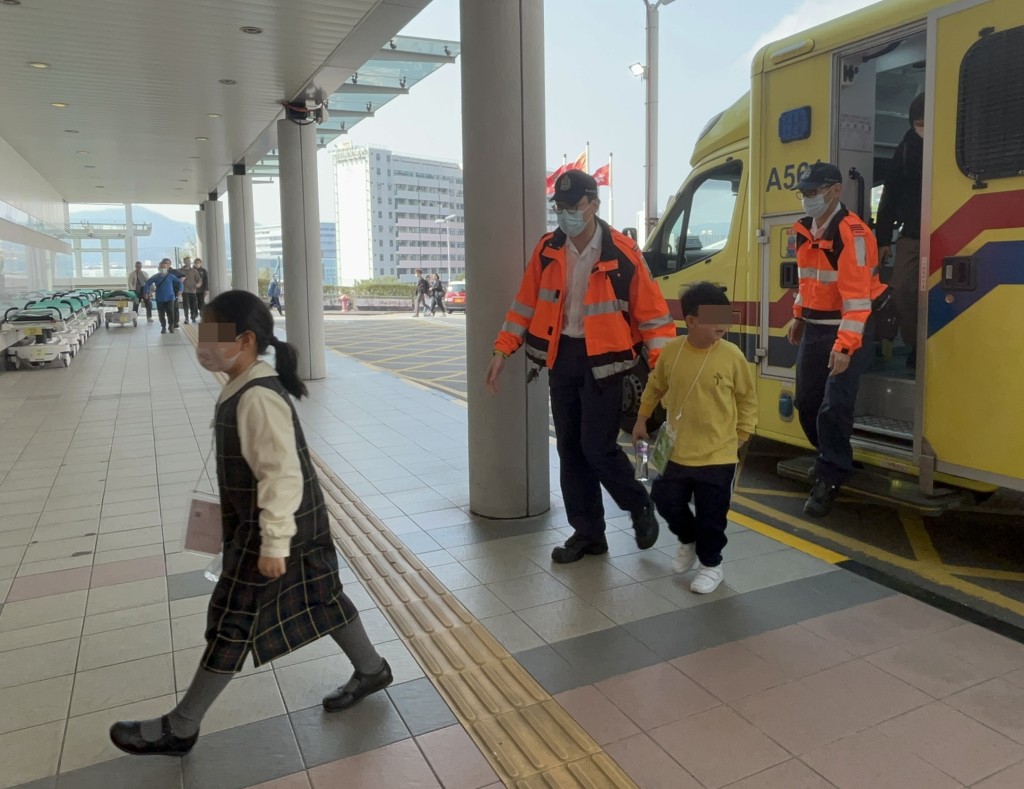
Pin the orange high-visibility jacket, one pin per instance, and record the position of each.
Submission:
(838, 277)
(623, 306)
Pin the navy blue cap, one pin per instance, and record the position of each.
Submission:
(573, 185)
(819, 175)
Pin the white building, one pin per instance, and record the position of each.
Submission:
(269, 250)
(388, 210)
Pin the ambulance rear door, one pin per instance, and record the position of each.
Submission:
(972, 263)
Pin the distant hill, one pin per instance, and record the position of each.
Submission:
(167, 233)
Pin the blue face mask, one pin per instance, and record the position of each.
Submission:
(572, 224)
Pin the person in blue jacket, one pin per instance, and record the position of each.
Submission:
(167, 287)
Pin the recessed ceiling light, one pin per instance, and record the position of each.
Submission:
(39, 64)
(213, 115)
(202, 139)
(178, 189)
(183, 180)
(195, 157)
(71, 131)
(251, 30)
(86, 153)
(58, 104)
(100, 186)
(89, 166)
(11, 2)
(227, 82)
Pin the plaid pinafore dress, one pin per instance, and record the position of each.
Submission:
(249, 612)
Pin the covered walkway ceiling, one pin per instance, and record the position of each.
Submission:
(162, 98)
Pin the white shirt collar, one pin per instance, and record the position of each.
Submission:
(817, 231)
(259, 370)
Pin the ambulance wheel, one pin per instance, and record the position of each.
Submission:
(107, 324)
(135, 321)
(36, 365)
(11, 363)
(66, 359)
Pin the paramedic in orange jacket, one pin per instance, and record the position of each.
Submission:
(837, 259)
(586, 303)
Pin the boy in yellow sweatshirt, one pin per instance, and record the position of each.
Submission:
(708, 390)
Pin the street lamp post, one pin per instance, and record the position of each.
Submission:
(448, 240)
(649, 73)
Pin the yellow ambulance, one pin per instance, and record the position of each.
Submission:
(953, 420)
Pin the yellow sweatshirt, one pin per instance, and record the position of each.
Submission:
(721, 409)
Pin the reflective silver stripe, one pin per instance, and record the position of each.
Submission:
(514, 328)
(657, 343)
(656, 323)
(861, 249)
(874, 271)
(851, 305)
(798, 299)
(823, 321)
(535, 355)
(821, 275)
(522, 309)
(605, 307)
(548, 295)
(857, 327)
(604, 370)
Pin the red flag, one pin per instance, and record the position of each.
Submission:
(603, 175)
(554, 177)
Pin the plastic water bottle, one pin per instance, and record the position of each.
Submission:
(214, 568)
(642, 458)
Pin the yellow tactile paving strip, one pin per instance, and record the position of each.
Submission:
(530, 741)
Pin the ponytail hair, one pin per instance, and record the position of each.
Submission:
(248, 313)
(286, 362)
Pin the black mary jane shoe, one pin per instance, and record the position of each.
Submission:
(358, 688)
(127, 735)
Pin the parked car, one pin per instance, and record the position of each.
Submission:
(455, 297)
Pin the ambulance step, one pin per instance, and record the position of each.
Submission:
(887, 487)
(885, 426)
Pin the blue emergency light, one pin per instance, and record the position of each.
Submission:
(795, 124)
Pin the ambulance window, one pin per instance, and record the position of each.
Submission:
(699, 221)
(990, 113)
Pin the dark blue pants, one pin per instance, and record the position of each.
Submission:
(826, 403)
(710, 488)
(586, 413)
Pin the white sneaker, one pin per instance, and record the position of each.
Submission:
(686, 558)
(707, 580)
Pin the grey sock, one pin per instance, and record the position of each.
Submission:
(185, 718)
(356, 645)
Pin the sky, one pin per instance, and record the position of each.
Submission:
(590, 94)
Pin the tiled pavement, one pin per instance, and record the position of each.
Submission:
(793, 675)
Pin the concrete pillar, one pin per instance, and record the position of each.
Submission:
(300, 244)
(131, 243)
(201, 234)
(244, 274)
(215, 260)
(503, 149)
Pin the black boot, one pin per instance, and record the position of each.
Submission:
(578, 546)
(127, 735)
(645, 526)
(819, 503)
(358, 688)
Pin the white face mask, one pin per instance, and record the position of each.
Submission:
(814, 206)
(215, 359)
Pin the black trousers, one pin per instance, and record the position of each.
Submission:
(275, 303)
(201, 299)
(826, 403)
(166, 310)
(586, 415)
(710, 488)
(148, 302)
(177, 312)
(191, 306)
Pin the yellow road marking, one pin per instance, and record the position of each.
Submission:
(937, 575)
(806, 546)
(920, 540)
(786, 494)
(982, 572)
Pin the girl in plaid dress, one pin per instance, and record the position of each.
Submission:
(279, 588)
